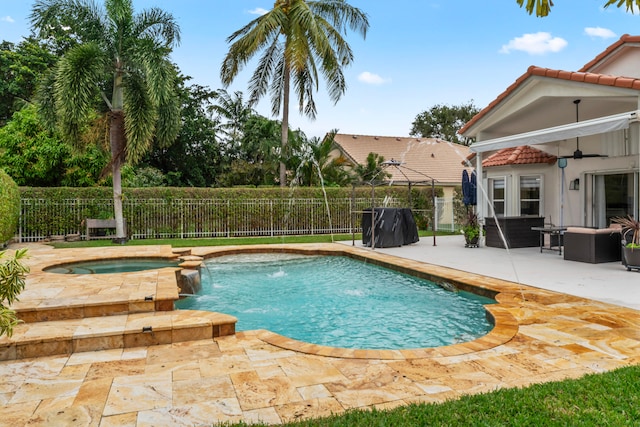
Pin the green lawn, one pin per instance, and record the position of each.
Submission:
(222, 241)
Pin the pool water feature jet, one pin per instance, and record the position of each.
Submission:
(306, 157)
(493, 216)
(190, 281)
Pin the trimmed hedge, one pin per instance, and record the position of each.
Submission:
(9, 207)
(169, 193)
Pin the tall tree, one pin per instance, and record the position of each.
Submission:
(194, 158)
(300, 40)
(21, 66)
(122, 58)
(373, 169)
(34, 155)
(317, 165)
(232, 113)
(443, 122)
(543, 7)
(256, 161)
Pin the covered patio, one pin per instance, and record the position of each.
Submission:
(588, 120)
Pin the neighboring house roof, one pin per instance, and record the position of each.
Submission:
(421, 158)
(582, 76)
(522, 155)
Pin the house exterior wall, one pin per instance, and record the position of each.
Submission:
(549, 181)
(560, 206)
(625, 64)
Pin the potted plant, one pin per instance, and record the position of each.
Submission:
(472, 230)
(630, 241)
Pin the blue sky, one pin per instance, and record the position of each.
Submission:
(417, 54)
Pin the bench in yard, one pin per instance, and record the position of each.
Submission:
(104, 225)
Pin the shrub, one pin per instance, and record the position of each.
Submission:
(9, 207)
(12, 281)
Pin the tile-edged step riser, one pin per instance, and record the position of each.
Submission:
(70, 336)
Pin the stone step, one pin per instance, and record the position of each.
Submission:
(181, 251)
(47, 297)
(191, 258)
(48, 311)
(110, 332)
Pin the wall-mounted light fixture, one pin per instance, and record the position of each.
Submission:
(574, 184)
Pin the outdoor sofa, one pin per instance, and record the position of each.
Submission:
(593, 245)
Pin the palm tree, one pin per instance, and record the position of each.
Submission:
(317, 166)
(121, 58)
(235, 112)
(373, 169)
(543, 7)
(300, 40)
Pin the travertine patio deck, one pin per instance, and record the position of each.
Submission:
(257, 375)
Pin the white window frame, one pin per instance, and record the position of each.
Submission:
(540, 199)
(505, 201)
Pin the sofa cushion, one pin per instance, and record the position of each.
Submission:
(587, 230)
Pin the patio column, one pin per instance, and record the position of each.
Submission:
(481, 206)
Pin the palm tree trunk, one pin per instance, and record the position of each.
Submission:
(285, 126)
(116, 136)
(118, 143)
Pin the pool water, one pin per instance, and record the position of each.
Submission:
(112, 266)
(337, 301)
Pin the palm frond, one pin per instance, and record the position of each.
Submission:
(164, 95)
(305, 86)
(342, 15)
(82, 20)
(157, 25)
(76, 86)
(140, 116)
(45, 99)
(253, 37)
(265, 72)
(276, 88)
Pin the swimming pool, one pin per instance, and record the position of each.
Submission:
(108, 266)
(338, 301)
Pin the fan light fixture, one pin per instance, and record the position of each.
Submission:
(578, 154)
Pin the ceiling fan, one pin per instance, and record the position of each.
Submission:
(578, 154)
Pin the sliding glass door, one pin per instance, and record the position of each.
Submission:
(614, 195)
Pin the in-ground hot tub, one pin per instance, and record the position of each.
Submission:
(109, 266)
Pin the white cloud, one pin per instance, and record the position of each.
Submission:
(372, 79)
(7, 19)
(258, 11)
(603, 33)
(535, 44)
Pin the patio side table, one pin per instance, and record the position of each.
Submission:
(555, 235)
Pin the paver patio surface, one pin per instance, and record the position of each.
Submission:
(541, 335)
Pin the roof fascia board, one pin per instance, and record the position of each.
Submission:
(558, 133)
(539, 87)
